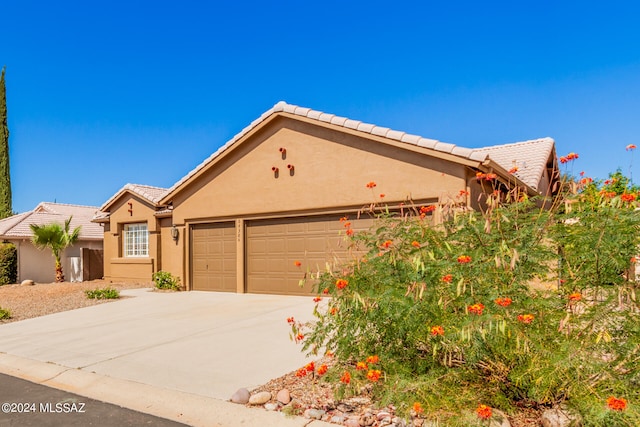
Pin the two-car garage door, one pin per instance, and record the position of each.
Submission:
(272, 249)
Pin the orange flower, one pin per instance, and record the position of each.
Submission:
(586, 181)
(374, 375)
(290, 320)
(464, 259)
(347, 224)
(415, 244)
(382, 195)
(297, 263)
(333, 311)
(387, 243)
(631, 147)
(329, 353)
(322, 369)
(349, 232)
(341, 283)
(633, 259)
(477, 308)
(462, 193)
(447, 278)
(427, 209)
(484, 412)
(301, 373)
(504, 302)
(325, 291)
(490, 176)
(576, 296)
(572, 156)
(344, 218)
(345, 378)
(616, 404)
(480, 175)
(563, 159)
(310, 367)
(361, 366)
(437, 330)
(371, 184)
(299, 337)
(513, 170)
(525, 318)
(417, 408)
(628, 197)
(373, 359)
(317, 299)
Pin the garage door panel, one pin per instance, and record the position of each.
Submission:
(213, 257)
(273, 246)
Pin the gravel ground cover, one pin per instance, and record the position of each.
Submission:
(25, 302)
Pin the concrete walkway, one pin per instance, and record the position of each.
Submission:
(175, 355)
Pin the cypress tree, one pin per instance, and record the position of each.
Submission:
(5, 178)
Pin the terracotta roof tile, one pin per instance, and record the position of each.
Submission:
(147, 192)
(17, 226)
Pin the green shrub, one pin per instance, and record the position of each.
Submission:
(105, 293)
(4, 313)
(8, 263)
(451, 314)
(164, 280)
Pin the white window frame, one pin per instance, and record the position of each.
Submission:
(135, 240)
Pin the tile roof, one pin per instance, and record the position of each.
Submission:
(531, 158)
(17, 226)
(147, 192)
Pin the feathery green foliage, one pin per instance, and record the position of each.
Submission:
(511, 306)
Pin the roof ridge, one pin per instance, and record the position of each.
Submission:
(510, 144)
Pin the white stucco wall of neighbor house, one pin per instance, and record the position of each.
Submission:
(39, 265)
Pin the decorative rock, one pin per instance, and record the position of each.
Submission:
(271, 406)
(260, 398)
(560, 417)
(314, 414)
(352, 422)
(283, 396)
(337, 419)
(382, 415)
(241, 396)
(417, 422)
(499, 419)
(397, 421)
(28, 283)
(367, 420)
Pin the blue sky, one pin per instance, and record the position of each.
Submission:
(101, 94)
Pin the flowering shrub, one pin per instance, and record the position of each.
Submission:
(452, 314)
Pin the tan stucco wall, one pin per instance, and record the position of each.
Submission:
(331, 170)
(172, 251)
(117, 267)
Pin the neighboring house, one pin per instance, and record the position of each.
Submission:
(39, 265)
(273, 195)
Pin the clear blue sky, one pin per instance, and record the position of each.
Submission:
(104, 93)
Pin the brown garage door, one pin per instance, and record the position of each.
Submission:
(273, 247)
(213, 257)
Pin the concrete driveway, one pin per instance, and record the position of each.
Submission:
(203, 343)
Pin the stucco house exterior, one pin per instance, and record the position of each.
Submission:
(39, 265)
(274, 193)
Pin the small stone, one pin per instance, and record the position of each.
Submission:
(241, 396)
(560, 417)
(417, 422)
(337, 419)
(314, 414)
(260, 398)
(499, 419)
(283, 396)
(352, 422)
(28, 282)
(271, 406)
(398, 422)
(383, 414)
(367, 419)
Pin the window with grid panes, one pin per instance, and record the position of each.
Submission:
(136, 240)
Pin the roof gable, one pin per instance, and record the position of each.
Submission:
(153, 195)
(532, 160)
